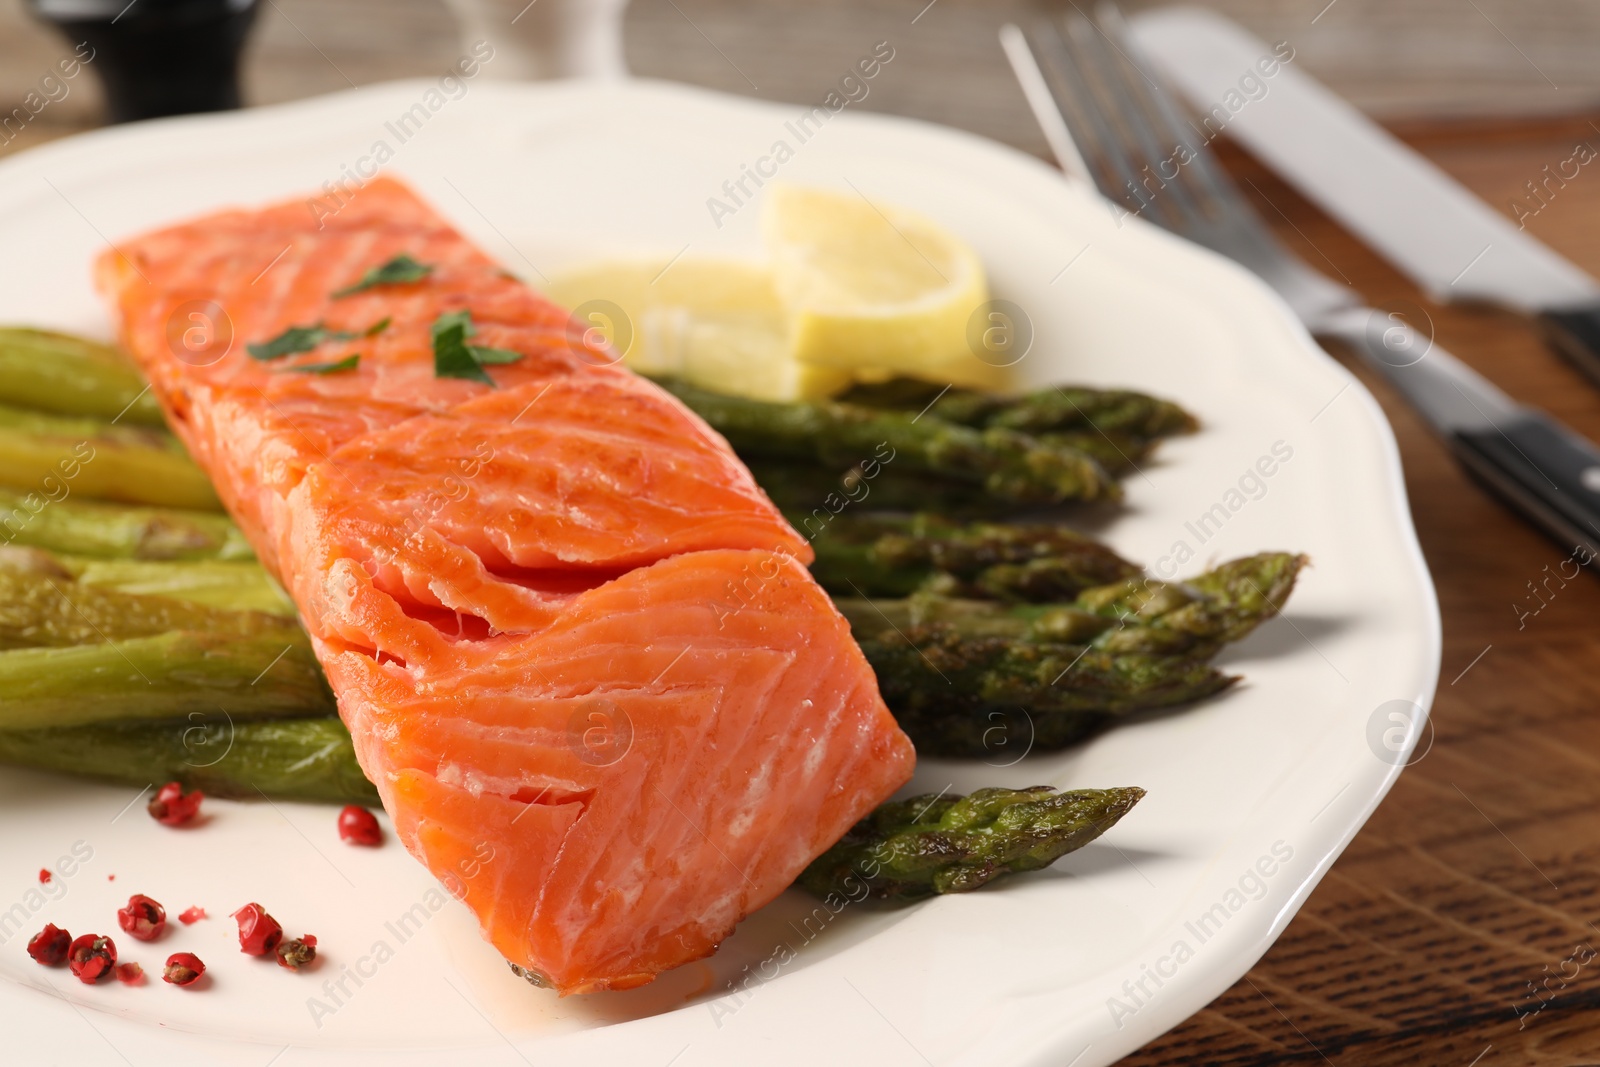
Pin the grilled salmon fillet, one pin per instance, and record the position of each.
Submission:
(578, 649)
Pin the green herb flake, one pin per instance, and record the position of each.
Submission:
(493, 355)
(378, 327)
(462, 318)
(400, 270)
(338, 366)
(295, 339)
(452, 356)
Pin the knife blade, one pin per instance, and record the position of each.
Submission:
(1447, 240)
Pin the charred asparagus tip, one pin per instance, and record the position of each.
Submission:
(952, 844)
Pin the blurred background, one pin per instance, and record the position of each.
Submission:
(1402, 60)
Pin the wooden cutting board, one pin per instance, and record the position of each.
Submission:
(1460, 926)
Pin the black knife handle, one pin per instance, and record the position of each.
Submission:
(1546, 472)
(1575, 335)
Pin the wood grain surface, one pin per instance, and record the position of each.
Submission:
(1460, 926)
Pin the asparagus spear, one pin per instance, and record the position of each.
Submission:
(941, 684)
(235, 586)
(873, 555)
(798, 485)
(1061, 409)
(287, 759)
(44, 605)
(915, 848)
(1117, 427)
(73, 376)
(55, 456)
(1200, 615)
(964, 677)
(1118, 451)
(815, 491)
(1142, 615)
(72, 653)
(1008, 466)
(268, 674)
(117, 531)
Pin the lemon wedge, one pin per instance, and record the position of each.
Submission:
(717, 323)
(857, 291)
(874, 290)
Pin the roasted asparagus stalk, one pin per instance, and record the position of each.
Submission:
(117, 531)
(231, 585)
(162, 676)
(57, 456)
(74, 653)
(863, 554)
(813, 491)
(966, 678)
(915, 848)
(285, 759)
(1008, 466)
(1118, 427)
(1056, 410)
(69, 375)
(1194, 618)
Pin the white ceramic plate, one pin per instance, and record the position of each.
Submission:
(1252, 795)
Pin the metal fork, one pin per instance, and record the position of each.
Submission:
(1111, 123)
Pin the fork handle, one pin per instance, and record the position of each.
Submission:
(1574, 334)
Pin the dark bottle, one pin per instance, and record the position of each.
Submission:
(158, 57)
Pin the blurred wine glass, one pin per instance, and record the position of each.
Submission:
(546, 38)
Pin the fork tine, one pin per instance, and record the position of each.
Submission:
(1091, 90)
(1111, 168)
(1116, 79)
(1216, 188)
(1162, 183)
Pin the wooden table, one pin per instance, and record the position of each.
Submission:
(1479, 877)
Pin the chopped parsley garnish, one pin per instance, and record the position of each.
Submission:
(454, 358)
(398, 271)
(338, 366)
(378, 327)
(296, 339)
(493, 355)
